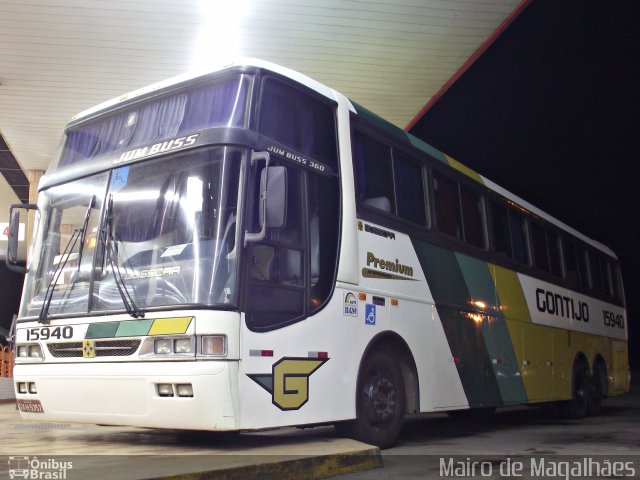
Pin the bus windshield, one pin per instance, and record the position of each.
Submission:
(167, 237)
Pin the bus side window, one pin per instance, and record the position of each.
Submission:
(472, 216)
(409, 189)
(519, 237)
(617, 283)
(500, 228)
(570, 261)
(597, 267)
(374, 176)
(553, 240)
(608, 278)
(447, 205)
(540, 246)
(324, 236)
(583, 272)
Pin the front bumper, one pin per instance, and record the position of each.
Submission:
(127, 393)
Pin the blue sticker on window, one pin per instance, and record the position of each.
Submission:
(119, 178)
(370, 314)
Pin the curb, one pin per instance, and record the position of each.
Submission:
(302, 468)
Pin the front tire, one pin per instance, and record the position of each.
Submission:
(380, 402)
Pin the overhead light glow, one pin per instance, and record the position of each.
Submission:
(219, 39)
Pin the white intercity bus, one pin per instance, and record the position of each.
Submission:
(248, 249)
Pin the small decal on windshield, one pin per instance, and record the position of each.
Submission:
(119, 178)
(174, 250)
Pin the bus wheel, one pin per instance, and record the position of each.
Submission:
(380, 403)
(578, 406)
(598, 389)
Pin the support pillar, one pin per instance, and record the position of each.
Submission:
(34, 179)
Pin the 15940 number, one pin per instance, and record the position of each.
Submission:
(46, 333)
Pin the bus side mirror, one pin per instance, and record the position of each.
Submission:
(14, 232)
(272, 200)
(276, 196)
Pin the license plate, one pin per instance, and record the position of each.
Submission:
(29, 406)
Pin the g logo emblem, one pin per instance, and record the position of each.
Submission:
(288, 383)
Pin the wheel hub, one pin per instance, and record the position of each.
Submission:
(381, 405)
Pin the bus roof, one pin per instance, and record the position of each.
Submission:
(196, 75)
(326, 91)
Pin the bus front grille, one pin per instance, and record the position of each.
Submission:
(103, 348)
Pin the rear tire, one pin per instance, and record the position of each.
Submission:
(598, 389)
(578, 406)
(380, 402)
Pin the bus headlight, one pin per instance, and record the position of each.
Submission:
(182, 345)
(162, 346)
(174, 346)
(213, 345)
(35, 351)
(30, 351)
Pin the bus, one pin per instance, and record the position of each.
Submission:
(248, 249)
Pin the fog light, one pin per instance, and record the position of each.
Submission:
(34, 351)
(184, 390)
(22, 387)
(165, 390)
(213, 345)
(182, 345)
(162, 346)
(32, 388)
(22, 351)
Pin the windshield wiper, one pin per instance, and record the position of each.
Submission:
(78, 234)
(111, 253)
(83, 232)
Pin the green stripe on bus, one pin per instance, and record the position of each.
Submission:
(496, 336)
(134, 328)
(102, 330)
(464, 335)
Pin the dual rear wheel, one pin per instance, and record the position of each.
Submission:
(587, 391)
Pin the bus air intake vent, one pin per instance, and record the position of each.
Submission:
(103, 348)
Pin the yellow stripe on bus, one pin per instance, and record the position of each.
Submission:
(463, 168)
(170, 326)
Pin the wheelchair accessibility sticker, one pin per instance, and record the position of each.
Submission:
(370, 314)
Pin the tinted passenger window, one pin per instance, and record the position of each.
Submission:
(583, 273)
(472, 217)
(519, 237)
(570, 261)
(540, 246)
(447, 205)
(553, 240)
(374, 176)
(409, 189)
(500, 229)
(595, 266)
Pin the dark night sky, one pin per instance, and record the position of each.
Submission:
(551, 111)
